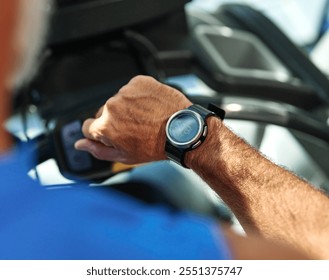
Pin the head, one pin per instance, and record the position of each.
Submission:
(23, 26)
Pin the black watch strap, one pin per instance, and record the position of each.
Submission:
(218, 111)
(178, 154)
(212, 110)
(175, 154)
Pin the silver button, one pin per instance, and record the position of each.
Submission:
(197, 144)
(205, 131)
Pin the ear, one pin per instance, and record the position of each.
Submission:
(8, 10)
(8, 15)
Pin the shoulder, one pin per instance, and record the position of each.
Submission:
(96, 223)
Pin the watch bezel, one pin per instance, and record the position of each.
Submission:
(195, 139)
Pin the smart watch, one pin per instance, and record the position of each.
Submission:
(187, 129)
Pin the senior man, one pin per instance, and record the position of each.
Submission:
(94, 224)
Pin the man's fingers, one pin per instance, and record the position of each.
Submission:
(89, 125)
(98, 150)
(91, 128)
(82, 145)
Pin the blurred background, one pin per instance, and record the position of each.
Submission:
(303, 21)
(265, 62)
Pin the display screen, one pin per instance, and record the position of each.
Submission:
(76, 160)
(184, 128)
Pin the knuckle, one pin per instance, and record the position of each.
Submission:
(137, 79)
(140, 79)
(123, 90)
(111, 103)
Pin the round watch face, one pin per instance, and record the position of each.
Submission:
(184, 128)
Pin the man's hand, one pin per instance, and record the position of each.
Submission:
(130, 127)
(267, 199)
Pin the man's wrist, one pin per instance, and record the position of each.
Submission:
(202, 154)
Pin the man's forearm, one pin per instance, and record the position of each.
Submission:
(264, 197)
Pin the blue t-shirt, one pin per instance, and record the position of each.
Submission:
(91, 223)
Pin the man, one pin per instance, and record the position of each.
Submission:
(95, 224)
(266, 199)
